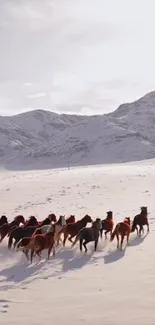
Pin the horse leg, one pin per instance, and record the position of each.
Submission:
(127, 238)
(137, 230)
(49, 251)
(101, 231)
(84, 244)
(140, 230)
(26, 254)
(81, 243)
(65, 238)
(106, 232)
(15, 243)
(2, 237)
(31, 256)
(70, 238)
(148, 228)
(117, 236)
(122, 239)
(96, 243)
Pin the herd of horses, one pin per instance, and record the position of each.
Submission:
(34, 236)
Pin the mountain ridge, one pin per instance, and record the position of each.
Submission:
(41, 139)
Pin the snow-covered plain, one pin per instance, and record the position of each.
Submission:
(106, 287)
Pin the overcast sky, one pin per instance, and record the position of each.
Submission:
(76, 56)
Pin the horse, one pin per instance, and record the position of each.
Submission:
(19, 233)
(140, 220)
(90, 234)
(38, 243)
(72, 229)
(107, 224)
(122, 229)
(3, 220)
(5, 228)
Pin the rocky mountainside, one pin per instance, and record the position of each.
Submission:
(41, 139)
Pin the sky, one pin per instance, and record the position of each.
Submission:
(75, 56)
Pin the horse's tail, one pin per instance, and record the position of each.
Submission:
(134, 224)
(76, 239)
(10, 240)
(114, 232)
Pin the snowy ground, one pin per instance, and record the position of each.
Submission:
(108, 287)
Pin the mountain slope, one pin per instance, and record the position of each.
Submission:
(42, 139)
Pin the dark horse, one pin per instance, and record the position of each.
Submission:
(88, 235)
(19, 233)
(140, 220)
(107, 224)
(6, 227)
(72, 229)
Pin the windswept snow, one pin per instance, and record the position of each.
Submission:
(41, 139)
(106, 287)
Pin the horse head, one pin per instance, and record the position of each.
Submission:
(127, 220)
(20, 219)
(87, 218)
(109, 215)
(71, 219)
(32, 221)
(52, 217)
(98, 223)
(62, 221)
(144, 210)
(3, 219)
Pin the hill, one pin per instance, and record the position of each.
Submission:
(42, 139)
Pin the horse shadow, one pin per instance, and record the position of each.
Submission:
(17, 274)
(137, 240)
(72, 260)
(114, 256)
(22, 270)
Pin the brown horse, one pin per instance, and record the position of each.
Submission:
(72, 229)
(6, 227)
(3, 220)
(38, 243)
(140, 220)
(122, 229)
(107, 224)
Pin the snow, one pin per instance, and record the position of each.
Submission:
(106, 287)
(42, 139)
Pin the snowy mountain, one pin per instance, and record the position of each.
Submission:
(42, 139)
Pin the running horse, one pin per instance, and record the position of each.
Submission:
(38, 243)
(140, 220)
(72, 229)
(122, 229)
(107, 224)
(90, 234)
(6, 227)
